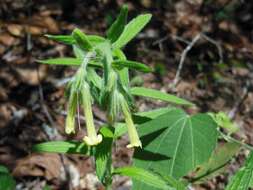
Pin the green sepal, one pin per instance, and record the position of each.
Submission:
(82, 40)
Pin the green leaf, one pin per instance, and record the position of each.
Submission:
(120, 129)
(241, 180)
(123, 73)
(62, 61)
(131, 30)
(70, 147)
(82, 40)
(222, 119)
(139, 118)
(79, 54)
(156, 94)
(7, 182)
(3, 169)
(216, 164)
(176, 184)
(46, 187)
(132, 65)
(95, 79)
(152, 114)
(94, 39)
(144, 176)
(118, 26)
(70, 61)
(103, 156)
(105, 48)
(251, 182)
(68, 39)
(175, 143)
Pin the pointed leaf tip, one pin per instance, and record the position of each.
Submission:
(131, 30)
(118, 25)
(82, 40)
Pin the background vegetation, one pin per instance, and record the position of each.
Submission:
(216, 75)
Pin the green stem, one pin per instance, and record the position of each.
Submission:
(231, 139)
(108, 186)
(109, 166)
(208, 173)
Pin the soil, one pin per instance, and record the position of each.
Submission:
(217, 75)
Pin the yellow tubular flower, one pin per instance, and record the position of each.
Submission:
(92, 138)
(132, 132)
(70, 120)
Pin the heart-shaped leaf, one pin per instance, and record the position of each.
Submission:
(216, 164)
(175, 143)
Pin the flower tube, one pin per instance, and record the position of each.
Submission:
(72, 106)
(92, 138)
(132, 132)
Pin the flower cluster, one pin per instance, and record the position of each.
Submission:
(114, 97)
(80, 92)
(102, 76)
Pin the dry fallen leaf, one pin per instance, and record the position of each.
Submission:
(15, 29)
(46, 23)
(8, 155)
(44, 165)
(30, 76)
(5, 114)
(7, 39)
(34, 30)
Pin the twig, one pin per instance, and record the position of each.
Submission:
(62, 82)
(180, 39)
(183, 56)
(161, 40)
(189, 187)
(29, 43)
(43, 105)
(217, 44)
(189, 47)
(231, 139)
(238, 104)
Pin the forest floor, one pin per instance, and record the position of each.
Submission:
(217, 75)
